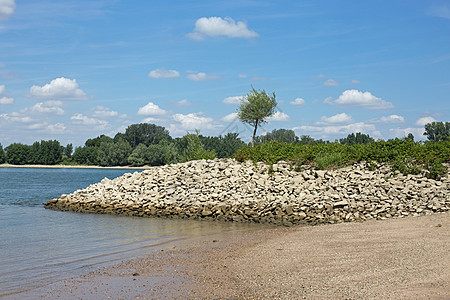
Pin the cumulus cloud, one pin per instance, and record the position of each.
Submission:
(336, 119)
(338, 130)
(57, 128)
(233, 100)
(230, 117)
(151, 109)
(278, 116)
(216, 26)
(200, 76)
(7, 8)
(48, 107)
(59, 89)
(193, 121)
(331, 82)
(183, 102)
(16, 117)
(402, 132)
(425, 120)
(163, 73)
(391, 119)
(85, 120)
(360, 99)
(298, 102)
(6, 100)
(104, 112)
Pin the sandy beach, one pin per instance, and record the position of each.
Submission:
(404, 258)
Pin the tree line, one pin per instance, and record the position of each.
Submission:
(150, 144)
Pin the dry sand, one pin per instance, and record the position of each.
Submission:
(392, 259)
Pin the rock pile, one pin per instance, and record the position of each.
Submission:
(232, 191)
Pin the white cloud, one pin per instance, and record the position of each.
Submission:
(6, 100)
(230, 117)
(193, 121)
(200, 76)
(57, 128)
(336, 119)
(278, 116)
(104, 112)
(48, 107)
(16, 117)
(243, 76)
(425, 120)
(216, 26)
(84, 120)
(183, 102)
(59, 89)
(151, 109)
(331, 82)
(7, 8)
(2, 87)
(440, 11)
(355, 82)
(360, 99)
(402, 132)
(163, 73)
(338, 130)
(391, 119)
(149, 120)
(233, 100)
(298, 102)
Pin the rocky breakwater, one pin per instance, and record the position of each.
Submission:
(232, 191)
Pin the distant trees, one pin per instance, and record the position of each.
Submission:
(2, 155)
(145, 133)
(437, 131)
(280, 135)
(255, 108)
(192, 148)
(358, 138)
(41, 153)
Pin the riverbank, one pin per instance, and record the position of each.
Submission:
(404, 258)
(73, 167)
(226, 190)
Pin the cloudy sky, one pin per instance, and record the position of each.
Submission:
(72, 70)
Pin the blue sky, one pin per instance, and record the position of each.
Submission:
(72, 70)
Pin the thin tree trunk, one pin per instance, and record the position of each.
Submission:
(254, 133)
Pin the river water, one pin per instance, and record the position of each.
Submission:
(40, 246)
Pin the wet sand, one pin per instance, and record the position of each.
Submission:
(404, 258)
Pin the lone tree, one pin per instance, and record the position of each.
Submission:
(255, 108)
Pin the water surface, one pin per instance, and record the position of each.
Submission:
(40, 246)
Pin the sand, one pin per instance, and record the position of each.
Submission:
(406, 258)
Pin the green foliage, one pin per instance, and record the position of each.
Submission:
(161, 154)
(224, 146)
(46, 153)
(139, 156)
(358, 138)
(114, 154)
(146, 134)
(87, 155)
(255, 108)
(98, 140)
(68, 151)
(437, 131)
(194, 149)
(2, 155)
(280, 135)
(18, 154)
(404, 155)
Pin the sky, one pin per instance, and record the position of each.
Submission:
(73, 70)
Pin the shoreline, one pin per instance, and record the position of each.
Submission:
(74, 167)
(396, 258)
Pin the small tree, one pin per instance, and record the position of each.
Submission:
(437, 131)
(255, 108)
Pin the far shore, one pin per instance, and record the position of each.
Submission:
(72, 167)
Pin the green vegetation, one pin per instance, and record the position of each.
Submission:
(255, 108)
(437, 131)
(404, 155)
(155, 147)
